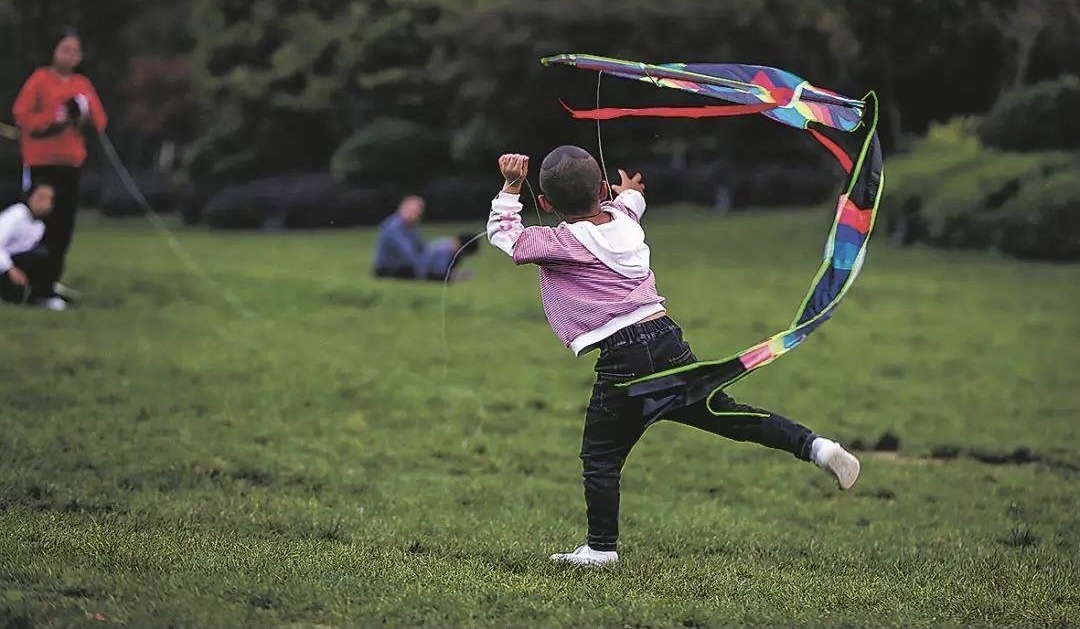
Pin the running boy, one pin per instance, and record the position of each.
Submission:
(599, 293)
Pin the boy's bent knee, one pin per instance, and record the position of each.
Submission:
(596, 468)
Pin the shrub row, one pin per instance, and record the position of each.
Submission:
(314, 200)
(1022, 204)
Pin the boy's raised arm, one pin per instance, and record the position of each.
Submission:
(504, 223)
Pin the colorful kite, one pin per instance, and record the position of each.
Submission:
(790, 100)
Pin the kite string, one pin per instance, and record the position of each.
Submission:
(445, 286)
(536, 204)
(171, 240)
(600, 139)
(449, 272)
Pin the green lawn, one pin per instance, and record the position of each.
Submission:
(335, 459)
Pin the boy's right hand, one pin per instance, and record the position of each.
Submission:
(513, 167)
(629, 183)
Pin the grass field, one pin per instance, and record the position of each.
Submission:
(330, 461)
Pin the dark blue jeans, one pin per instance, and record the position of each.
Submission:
(615, 421)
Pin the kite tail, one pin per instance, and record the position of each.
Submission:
(845, 250)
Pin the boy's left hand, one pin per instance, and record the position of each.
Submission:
(629, 183)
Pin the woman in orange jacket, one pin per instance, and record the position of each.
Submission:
(54, 108)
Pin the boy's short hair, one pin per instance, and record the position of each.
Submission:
(570, 178)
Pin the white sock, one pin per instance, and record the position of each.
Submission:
(819, 444)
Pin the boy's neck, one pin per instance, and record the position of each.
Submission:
(597, 217)
(600, 219)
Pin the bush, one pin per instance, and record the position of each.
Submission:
(299, 201)
(459, 198)
(723, 186)
(909, 181)
(246, 206)
(116, 200)
(699, 184)
(192, 202)
(388, 149)
(305, 201)
(315, 200)
(1018, 203)
(90, 182)
(960, 134)
(1039, 117)
(787, 185)
(964, 211)
(364, 206)
(1044, 222)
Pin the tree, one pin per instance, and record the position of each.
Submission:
(503, 98)
(396, 94)
(440, 86)
(162, 112)
(270, 71)
(1026, 23)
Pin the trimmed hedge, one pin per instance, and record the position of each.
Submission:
(297, 202)
(731, 186)
(114, 199)
(459, 198)
(247, 206)
(314, 200)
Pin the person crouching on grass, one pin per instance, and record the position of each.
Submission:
(26, 268)
(599, 292)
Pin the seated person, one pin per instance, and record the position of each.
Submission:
(26, 269)
(438, 257)
(399, 248)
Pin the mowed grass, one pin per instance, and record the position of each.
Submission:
(335, 459)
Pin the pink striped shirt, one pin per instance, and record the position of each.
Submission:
(594, 279)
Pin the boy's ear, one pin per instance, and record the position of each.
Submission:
(605, 190)
(545, 204)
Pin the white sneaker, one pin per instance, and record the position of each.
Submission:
(834, 459)
(66, 293)
(586, 556)
(53, 303)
